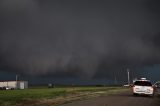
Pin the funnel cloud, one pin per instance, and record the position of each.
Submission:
(95, 39)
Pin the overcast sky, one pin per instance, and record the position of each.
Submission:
(71, 39)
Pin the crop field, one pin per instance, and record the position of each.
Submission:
(52, 96)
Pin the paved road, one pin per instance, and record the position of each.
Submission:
(123, 99)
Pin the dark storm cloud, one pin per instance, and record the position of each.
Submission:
(76, 38)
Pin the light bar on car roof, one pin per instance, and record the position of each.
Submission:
(143, 78)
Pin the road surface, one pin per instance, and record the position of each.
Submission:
(123, 99)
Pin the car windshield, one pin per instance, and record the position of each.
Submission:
(143, 83)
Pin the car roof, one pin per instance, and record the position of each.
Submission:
(143, 80)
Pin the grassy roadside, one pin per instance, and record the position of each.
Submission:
(53, 96)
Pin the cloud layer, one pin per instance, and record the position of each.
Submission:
(77, 38)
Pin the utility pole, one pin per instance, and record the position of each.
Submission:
(16, 81)
(128, 76)
(115, 80)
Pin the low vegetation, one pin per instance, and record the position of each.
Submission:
(52, 96)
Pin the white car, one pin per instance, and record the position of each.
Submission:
(157, 88)
(126, 85)
(143, 87)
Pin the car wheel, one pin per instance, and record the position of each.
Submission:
(135, 94)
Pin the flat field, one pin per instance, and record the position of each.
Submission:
(52, 96)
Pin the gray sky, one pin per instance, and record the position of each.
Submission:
(73, 39)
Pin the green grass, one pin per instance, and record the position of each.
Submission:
(13, 97)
